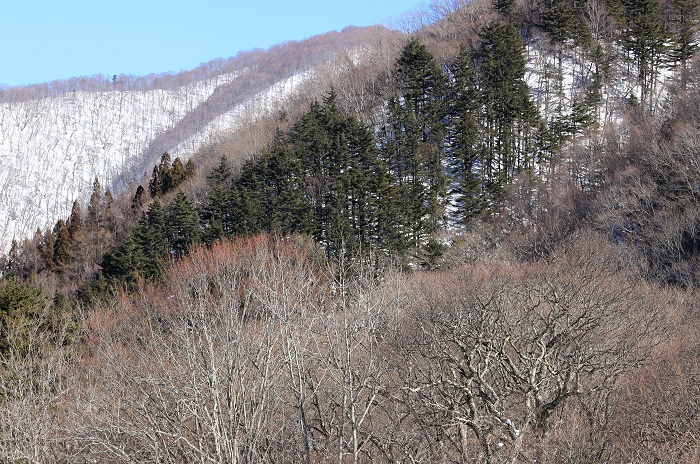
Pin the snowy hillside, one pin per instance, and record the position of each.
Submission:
(52, 148)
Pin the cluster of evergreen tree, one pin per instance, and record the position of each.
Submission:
(25, 311)
(168, 175)
(454, 136)
(160, 234)
(325, 178)
(653, 33)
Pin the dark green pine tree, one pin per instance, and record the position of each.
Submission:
(110, 220)
(12, 266)
(150, 237)
(422, 85)
(221, 174)
(62, 245)
(155, 184)
(398, 147)
(249, 199)
(645, 37)
(213, 216)
(684, 17)
(46, 249)
(337, 173)
(510, 118)
(562, 20)
(94, 290)
(289, 208)
(138, 201)
(124, 267)
(505, 7)
(182, 226)
(19, 302)
(311, 143)
(465, 136)
(217, 216)
(391, 232)
(616, 8)
(367, 180)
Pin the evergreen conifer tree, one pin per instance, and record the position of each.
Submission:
(645, 37)
(181, 225)
(563, 21)
(19, 301)
(413, 141)
(465, 135)
(178, 174)
(150, 238)
(125, 266)
(46, 249)
(190, 169)
(221, 174)
(684, 15)
(138, 201)
(94, 219)
(164, 178)
(510, 118)
(11, 267)
(62, 245)
(423, 88)
(75, 223)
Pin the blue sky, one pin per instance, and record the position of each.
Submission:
(44, 40)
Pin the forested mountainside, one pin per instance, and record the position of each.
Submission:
(58, 137)
(473, 242)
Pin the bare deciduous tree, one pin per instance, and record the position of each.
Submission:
(496, 351)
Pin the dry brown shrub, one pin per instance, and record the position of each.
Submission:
(656, 415)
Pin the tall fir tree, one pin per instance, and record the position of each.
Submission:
(123, 267)
(645, 36)
(11, 267)
(465, 137)
(94, 216)
(182, 226)
(423, 87)
(413, 141)
(75, 223)
(563, 20)
(62, 245)
(510, 118)
(150, 237)
(178, 174)
(684, 17)
(46, 249)
(221, 174)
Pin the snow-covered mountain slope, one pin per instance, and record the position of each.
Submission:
(51, 149)
(53, 146)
